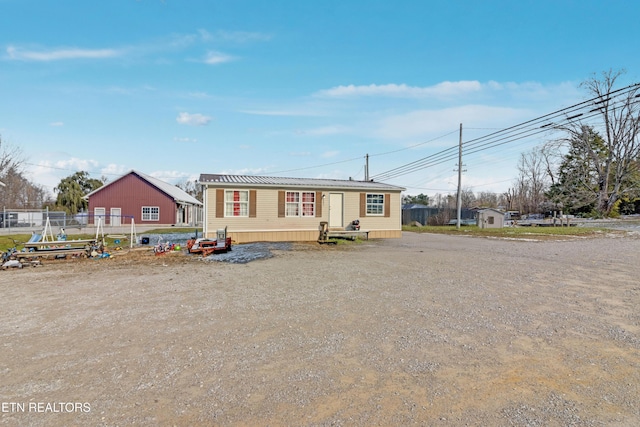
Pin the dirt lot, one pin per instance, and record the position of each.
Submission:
(423, 330)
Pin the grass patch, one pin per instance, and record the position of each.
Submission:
(173, 230)
(510, 232)
(13, 241)
(17, 240)
(346, 241)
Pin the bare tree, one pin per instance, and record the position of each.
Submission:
(487, 199)
(18, 192)
(468, 198)
(10, 158)
(192, 188)
(528, 194)
(614, 162)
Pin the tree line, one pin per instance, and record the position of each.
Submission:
(589, 171)
(18, 192)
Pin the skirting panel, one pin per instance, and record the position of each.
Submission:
(296, 236)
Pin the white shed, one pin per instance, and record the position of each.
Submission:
(490, 218)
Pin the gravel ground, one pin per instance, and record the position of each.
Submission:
(423, 330)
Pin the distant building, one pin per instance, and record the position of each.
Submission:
(491, 218)
(145, 199)
(427, 215)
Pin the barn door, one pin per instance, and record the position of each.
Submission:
(99, 215)
(115, 219)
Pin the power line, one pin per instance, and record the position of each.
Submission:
(370, 155)
(317, 166)
(527, 129)
(415, 145)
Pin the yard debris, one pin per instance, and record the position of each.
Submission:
(13, 263)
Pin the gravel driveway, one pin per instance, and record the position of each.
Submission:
(423, 330)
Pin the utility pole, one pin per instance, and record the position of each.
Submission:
(366, 167)
(459, 201)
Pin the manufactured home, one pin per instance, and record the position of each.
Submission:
(264, 208)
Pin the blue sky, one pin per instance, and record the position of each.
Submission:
(295, 88)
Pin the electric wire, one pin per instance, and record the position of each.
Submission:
(395, 172)
(438, 158)
(521, 131)
(360, 158)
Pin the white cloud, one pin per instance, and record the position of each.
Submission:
(193, 119)
(129, 90)
(458, 90)
(56, 124)
(60, 54)
(113, 171)
(177, 139)
(402, 90)
(246, 171)
(233, 36)
(49, 172)
(213, 58)
(325, 130)
(294, 113)
(242, 36)
(171, 176)
(199, 95)
(423, 123)
(300, 153)
(328, 154)
(205, 35)
(76, 164)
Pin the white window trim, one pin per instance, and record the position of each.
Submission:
(367, 204)
(300, 204)
(150, 214)
(226, 202)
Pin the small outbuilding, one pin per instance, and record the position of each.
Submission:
(145, 199)
(264, 208)
(491, 218)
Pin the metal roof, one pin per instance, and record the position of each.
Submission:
(171, 190)
(178, 194)
(272, 181)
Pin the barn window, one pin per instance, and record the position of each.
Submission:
(150, 213)
(490, 220)
(375, 204)
(300, 203)
(236, 203)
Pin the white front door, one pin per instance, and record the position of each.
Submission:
(115, 219)
(335, 210)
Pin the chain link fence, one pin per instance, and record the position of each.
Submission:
(27, 220)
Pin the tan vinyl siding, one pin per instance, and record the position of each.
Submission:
(268, 225)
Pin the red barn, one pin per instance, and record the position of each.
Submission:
(144, 198)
